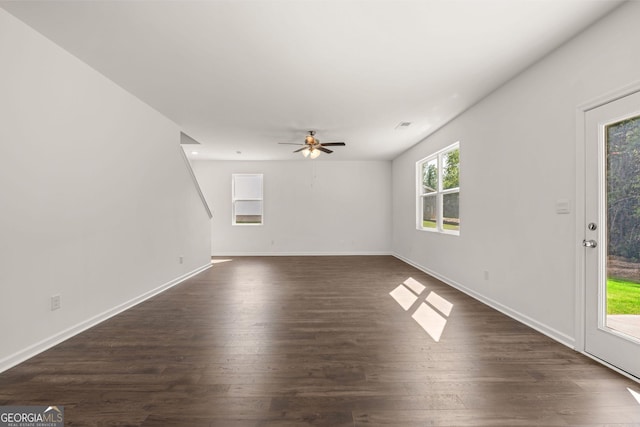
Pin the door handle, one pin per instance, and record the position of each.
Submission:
(589, 243)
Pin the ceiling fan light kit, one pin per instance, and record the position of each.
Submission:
(313, 147)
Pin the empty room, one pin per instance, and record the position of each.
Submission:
(320, 213)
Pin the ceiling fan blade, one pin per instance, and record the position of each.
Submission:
(321, 148)
(297, 151)
(290, 143)
(333, 144)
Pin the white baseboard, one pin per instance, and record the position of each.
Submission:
(39, 347)
(239, 254)
(522, 318)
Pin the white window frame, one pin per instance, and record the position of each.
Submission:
(235, 198)
(438, 194)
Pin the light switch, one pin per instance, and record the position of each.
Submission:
(562, 206)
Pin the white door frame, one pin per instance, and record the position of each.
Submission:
(580, 287)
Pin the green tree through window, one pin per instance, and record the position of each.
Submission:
(451, 170)
(430, 179)
(623, 192)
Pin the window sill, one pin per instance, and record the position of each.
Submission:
(433, 230)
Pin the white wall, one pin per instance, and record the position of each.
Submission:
(97, 204)
(517, 153)
(310, 207)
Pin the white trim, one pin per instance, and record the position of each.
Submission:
(579, 256)
(580, 292)
(614, 95)
(241, 254)
(27, 353)
(516, 315)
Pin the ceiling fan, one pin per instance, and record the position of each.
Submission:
(312, 146)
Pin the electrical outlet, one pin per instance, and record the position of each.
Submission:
(55, 302)
(181, 259)
(486, 275)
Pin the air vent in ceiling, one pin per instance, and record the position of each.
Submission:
(403, 125)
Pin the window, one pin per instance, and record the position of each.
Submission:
(438, 184)
(246, 199)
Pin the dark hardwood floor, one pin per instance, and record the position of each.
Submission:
(316, 341)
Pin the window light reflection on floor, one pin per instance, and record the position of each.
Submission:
(404, 297)
(429, 319)
(414, 285)
(431, 314)
(635, 395)
(218, 261)
(440, 303)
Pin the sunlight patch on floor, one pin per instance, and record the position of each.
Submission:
(429, 319)
(635, 395)
(404, 297)
(414, 285)
(440, 303)
(218, 261)
(428, 313)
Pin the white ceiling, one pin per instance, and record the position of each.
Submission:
(241, 76)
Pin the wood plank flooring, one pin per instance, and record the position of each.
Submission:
(316, 341)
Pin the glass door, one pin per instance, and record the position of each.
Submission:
(612, 233)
